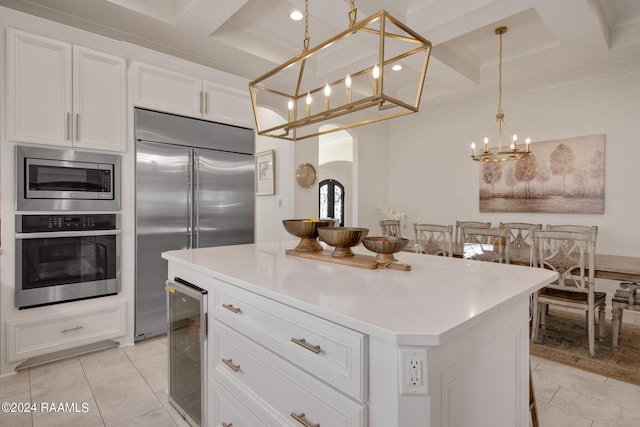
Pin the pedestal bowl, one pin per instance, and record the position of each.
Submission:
(307, 231)
(342, 238)
(385, 247)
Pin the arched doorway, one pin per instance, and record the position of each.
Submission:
(332, 200)
(336, 152)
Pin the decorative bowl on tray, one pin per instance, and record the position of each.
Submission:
(307, 231)
(385, 247)
(342, 238)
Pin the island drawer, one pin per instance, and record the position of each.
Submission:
(297, 398)
(48, 333)
(330, 351)
(225, 410)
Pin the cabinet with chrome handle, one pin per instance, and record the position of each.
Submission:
(79, 82)
(303, 420)
(230, 364)
(304, 344)
(301, 399)
(325, 349)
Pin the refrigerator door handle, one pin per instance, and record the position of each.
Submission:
(190, 192)
(196, 198)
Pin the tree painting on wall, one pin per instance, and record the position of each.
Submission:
(559, 176)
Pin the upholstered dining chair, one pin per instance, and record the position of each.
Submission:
(487, 244)
(391, 227)
(572, 256)
(433, 239)
(461, 224)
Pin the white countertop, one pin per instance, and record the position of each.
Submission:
(439, 298)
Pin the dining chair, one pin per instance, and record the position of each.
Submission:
(572, 255)
(591, 229)
(487, 244)
(521, 233)
(461, 224)
(521, 240)
(433, 239)
(391, 227)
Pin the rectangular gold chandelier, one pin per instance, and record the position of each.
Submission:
(373, 71)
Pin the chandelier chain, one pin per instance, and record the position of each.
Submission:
(306, 25)
(352, 14)
(500, 78)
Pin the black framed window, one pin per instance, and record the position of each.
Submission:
(332, 200)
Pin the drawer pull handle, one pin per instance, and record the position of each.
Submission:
(71, 329)
(302, 420)
(230, 307)
(226, 425)
(302, 342)
(229, 363)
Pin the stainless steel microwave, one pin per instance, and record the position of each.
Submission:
(66, 180)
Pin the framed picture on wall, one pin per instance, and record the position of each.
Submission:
(265, 167)
(560, 176)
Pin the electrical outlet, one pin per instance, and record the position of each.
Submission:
(413, 375)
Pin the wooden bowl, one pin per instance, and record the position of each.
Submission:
(385, 247)
(342, 238)
(307, 231)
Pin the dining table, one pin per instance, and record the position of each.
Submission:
(611, 267)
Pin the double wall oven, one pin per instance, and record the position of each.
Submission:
(67, 235)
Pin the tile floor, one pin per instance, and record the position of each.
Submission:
(128, 387)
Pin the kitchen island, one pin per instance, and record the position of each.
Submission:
(293, 341)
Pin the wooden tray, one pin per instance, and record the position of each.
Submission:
(358, 260)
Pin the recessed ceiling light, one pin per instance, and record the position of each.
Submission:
(397, 67)
(296, 15)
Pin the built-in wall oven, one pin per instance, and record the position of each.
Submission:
(66, 180)
(66, 257)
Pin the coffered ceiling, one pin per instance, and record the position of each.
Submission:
(548, 42)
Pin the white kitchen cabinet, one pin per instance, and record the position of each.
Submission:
(227, 104)
(63, 94)
(48, 333)
(161, 89)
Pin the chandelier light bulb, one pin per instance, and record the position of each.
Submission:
(327, 94)
(473, 148)
(290, 107)
(527, 142)
(347, 83)
(308, 100)
(376, 76)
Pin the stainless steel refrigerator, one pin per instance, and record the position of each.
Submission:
(194, 188)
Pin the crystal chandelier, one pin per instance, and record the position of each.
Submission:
(372, 71)
(502, 153)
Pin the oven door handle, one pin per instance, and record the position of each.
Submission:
(56, 234)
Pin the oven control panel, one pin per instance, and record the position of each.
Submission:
(72, 222)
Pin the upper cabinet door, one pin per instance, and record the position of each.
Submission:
(38, 89)
(227, 104)
(160, 89)
(99, 100)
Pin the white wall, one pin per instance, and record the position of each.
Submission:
(371, 173)
(271, 210)
(429, 156)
